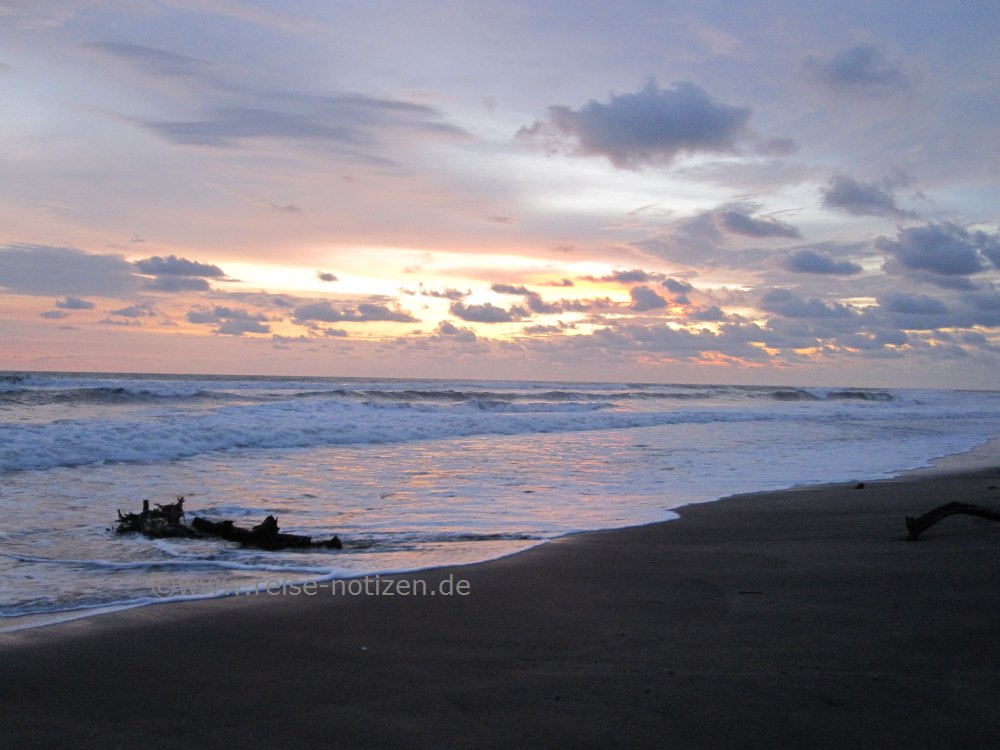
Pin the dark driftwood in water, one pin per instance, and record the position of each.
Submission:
(164, 522)
(168, 521)
(917, 526)
(265, 535)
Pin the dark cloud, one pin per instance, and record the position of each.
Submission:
(738, 222)
(177, 284)
(861, 199)
(74, 303)
(562, 282)
(786, 303)
(677, 287)
(239, 327)
(708, 314)
(860, 70)
(324, 312)
(448, 293)
(138, 310)
(511, 289)
(812, 261)
(368, 311)
(174, 266)
(487, 313)
(447, 328)
(219, 313)
(53, 314)
(46, 270)
(230, 321)
(651, 126)
(644, 298)
(912, 304)
(540, 306)
(633, 276)
(325, 276)
(944, 249)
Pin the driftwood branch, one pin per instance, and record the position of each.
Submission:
(168, 521)
(917, 526)
(164, 522)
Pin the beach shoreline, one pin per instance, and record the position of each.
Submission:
(769, 620)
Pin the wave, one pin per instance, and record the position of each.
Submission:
(286, 425)
(859, 396)
(104, 395)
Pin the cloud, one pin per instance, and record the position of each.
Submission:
(786, 303)
(239, 327)
(738, 222)
(644, 298)
(232, 113)
(229, 321)
(711, 314)
(539, 306)
(139, 310)
(912, 304)
(651, 126)
(177, 284)
(324, 312)
(348, 121)
(173, 274)
(51, 271)
(464, 335)
(74, 303)
(487, 313)
(53, 314)
(633, 276)
(861, 199)
(781, 146)
(447, 293)
(174, 266)
(860, 70)
(511, 289)
(541, 329)
(325, 276)
(153, 61)
(811, 261)
(677, 287)
(944, 249)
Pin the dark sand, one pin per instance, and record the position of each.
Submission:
(796, 619)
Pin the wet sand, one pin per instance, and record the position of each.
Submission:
(781, 620)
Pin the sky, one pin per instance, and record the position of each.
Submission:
(798, 193)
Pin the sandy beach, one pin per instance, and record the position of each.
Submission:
(791, 619)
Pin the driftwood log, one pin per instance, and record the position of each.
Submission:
(167, 521)
(917, 526)
(265, 535)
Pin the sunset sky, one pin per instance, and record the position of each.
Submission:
(739, 192)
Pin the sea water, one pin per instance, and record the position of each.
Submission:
(409, 474)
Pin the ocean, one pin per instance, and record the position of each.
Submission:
(410, 474)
